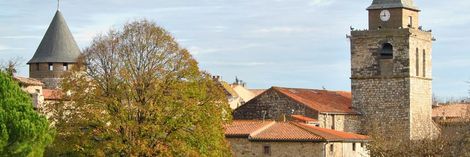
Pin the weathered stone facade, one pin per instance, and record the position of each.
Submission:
(50, 78)
(242, 147)
(272, 105)
(394, 90)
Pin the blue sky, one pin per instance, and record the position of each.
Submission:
(291, 43)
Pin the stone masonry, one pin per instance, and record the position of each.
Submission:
(396, 92)
(50, 78)
(273, 105)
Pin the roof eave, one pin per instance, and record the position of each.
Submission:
(286, 140)
(376, 7)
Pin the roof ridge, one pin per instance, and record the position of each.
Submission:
(304, 103)
(254, 133)
(316, 130)
(303, 128)
(298, 126)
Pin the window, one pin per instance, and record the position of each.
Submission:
(354, 147)
(66, 66)
(37, 66)
(267, 150)
(332, 148)
(51, 67)
(424, 63)
(362, 145)
(417, 62)
(387, 51)
(410, 21)
(333, 122)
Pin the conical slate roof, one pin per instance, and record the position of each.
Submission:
(58, 44)
(386, 4)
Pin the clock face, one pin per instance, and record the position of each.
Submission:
(385, 15)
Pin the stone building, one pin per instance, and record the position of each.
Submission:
(391, 71)
(332, 109)
(276, 139)
(56, 53)
(451, 112)
(237, 94)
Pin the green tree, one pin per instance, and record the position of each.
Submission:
(140, 94)
(23, 132)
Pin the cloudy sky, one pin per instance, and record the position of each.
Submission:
(290, 43)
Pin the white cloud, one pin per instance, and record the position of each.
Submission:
(199, 50)
(321, 2)
(286, 30)
(21, 37)
(244, 64)
(3, 48)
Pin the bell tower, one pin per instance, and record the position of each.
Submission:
(391, 71)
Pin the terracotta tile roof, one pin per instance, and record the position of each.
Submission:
(302, 118)
(28, 81)
(257, 91)
(52, 94)
(243, 128)
(332, 135)
(339, 102)
(286, 131)
(452, 111)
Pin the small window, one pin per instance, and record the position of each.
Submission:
(51, 67)
(410, 21)
(37, 66)
(362, 145)
(333, 122)
(387, 51)
(424, 63)
(66, 66)
(417, 62)
(332, 148)
(354, 146)
(267, 150)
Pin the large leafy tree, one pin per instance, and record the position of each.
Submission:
(23, 132)
(139, 93)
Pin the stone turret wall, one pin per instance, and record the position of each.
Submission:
(51, 79)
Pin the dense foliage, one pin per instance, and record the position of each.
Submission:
(140, 94)
(23, 132)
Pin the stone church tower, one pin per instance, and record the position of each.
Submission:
(391, 71)
(56, 54)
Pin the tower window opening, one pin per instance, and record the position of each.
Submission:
(51, 67)
(66, 66)
(410, 21)
(417, 62)
(387, 51)
(424, 63)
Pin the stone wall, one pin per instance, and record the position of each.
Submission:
(398, 97)
(399, 18)
(276, 105)
(242, 147)
(273, 105)
(384, 104)
(51, 79)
